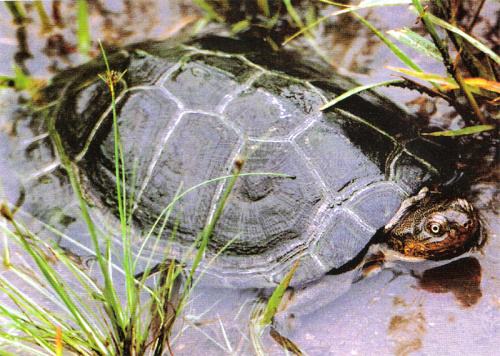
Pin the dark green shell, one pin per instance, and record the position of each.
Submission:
(186, 112)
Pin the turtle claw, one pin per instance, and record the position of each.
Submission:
(370, 270)
(374, 262)
(310, 298)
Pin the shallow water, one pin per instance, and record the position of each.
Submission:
(447, 311)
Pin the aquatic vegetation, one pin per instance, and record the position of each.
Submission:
(449, 88)
(140, 324)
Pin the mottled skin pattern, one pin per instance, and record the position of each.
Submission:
(435, 228)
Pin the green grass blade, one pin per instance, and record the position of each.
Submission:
(255, 328)
(112, 306)
(30, 330)
(212, 260)
(357, 90)
(430, 77)
(417, 42)
(164, 217)
(208, 230)
(399, 53)
(338, 4)
(42, 14)
(40, 287)
(24, 301)
(275, 299)
(57, 286)
(240, 26)
(482, 83)
(23, 326)
(21, 80)
(443, 50)
(293, 14)
(27, 305)
(461, 132)
(480, 46)
(17, 10)
(20, 345)
(83, 31)
(348, 9)
(79, 245)
(209, 10)
(264, 7)
(446, 83)
(300, 24)
(121, 196)
(6, 261)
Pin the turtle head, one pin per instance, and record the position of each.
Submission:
(431, 226)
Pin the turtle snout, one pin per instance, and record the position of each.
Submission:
(468, 225)
(462, 214)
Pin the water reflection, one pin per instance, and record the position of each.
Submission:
(461, 277)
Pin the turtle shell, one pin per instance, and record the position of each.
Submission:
(187, 111)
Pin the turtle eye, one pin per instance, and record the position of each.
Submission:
(435, 228)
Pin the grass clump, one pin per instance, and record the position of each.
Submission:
(98, 317)
(130, 327)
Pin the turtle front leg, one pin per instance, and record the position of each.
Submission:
(297, 303)
(372, 264)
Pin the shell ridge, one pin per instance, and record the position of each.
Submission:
(268, 140)
(237, 151)
(103, 117)
(156, 156)
(311, 166)
(304, 126)
(228, 98)
(359, 220)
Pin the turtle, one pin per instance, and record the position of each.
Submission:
(339, 190)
